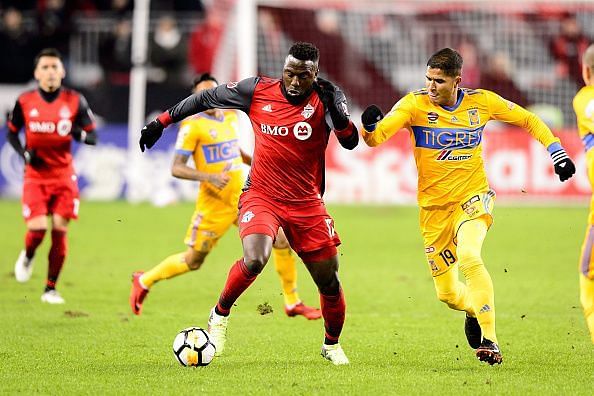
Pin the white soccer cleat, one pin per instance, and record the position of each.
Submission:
(52, 297)
(335, 354)
(23, 268)
(217, 329)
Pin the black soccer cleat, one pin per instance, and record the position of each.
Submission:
(489, 352)
(472, 329)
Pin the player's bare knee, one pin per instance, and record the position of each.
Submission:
(329, 286)
(256, 264)
(195, 259)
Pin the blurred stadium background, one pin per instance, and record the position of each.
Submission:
(376, 51)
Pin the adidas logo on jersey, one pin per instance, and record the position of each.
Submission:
(34, 112)
(267, 108)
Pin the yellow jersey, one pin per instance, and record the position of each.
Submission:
(214, 146)
(447, 140)
(583, 105)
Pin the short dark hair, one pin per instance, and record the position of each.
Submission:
(203, 77)
(54, 53)
(305, 51)
(448, 60)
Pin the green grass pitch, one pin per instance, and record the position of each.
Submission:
(399, 337)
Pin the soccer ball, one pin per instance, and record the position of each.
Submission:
(192, 347)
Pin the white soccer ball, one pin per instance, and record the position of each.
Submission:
(193, 347)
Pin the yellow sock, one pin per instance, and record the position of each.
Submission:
(587, 299)
(478, 281)
(453, 292)
(172, 266)
(285, 266)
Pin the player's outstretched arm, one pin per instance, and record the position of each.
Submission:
(564, 166)
(335, 102)
(231, 96)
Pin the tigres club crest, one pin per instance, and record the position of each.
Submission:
(308, 111)
(473, 117)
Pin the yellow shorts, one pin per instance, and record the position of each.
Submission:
(209, 223)
(440, 225)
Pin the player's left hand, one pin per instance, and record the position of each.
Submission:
(82, 136)
(326, 90)
(150, 134)
(564, 166)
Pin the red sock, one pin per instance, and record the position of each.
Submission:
(333, 309)
(33, 239)
(56, 257)
(238, 280)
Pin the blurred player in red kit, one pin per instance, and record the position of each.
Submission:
(292, 118)
(52, 116)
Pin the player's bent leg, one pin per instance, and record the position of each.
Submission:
(56, 258)
(455, 294)
(256, 250)
(586, 269)
(36, 228)
(471, 236)
(587, 300)
(284, 263)
(323, 267)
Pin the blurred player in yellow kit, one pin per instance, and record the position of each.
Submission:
(211, 139)
(446, 125)
(583, 105)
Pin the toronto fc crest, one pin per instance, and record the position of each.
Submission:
(308, 111)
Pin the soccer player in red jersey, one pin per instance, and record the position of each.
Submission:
(52, 116)
(286, 181)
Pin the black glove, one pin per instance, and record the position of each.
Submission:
(32, 159)
(564, 166)
(82, 136)
(150, 134)
(327, 92)
(370, 117)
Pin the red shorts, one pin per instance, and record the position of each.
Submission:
(308, 226)
(41, 198)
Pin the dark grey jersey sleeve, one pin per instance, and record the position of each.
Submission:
(235, 95)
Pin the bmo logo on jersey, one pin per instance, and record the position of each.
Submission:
(274, 130)
(302, 130)
(63, 127)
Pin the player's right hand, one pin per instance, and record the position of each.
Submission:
(219, 180)
(32, 159)
(370, 117)
(150, 134)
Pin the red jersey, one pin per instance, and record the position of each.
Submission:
(48, 119)
(290, 139)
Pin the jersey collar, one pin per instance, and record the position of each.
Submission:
(457, 104)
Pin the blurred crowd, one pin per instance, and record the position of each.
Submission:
(26, 26)
(178, 49)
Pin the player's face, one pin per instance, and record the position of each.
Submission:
(203, 85)
(442, 89)
(299, 76)
(49, 73)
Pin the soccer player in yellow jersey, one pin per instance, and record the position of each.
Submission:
(583, 105)
(446, 124)
(211, 139)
